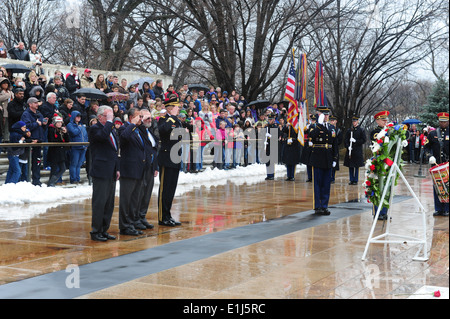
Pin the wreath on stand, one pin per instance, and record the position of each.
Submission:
(377, 167)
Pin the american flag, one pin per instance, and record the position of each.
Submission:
(290, 96)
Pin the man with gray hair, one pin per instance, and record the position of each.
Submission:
(104, 172)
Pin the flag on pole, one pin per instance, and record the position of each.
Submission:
(319, 92)
(290, 96)
(300, 96)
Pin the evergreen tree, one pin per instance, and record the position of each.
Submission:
(437, 102)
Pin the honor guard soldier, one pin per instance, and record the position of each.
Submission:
(354, 140)
(381, 118)
(270, 165)
(324, 154)
(291, 151)
(438, 143)
(306, 151)
(169, 126)
(339, 138)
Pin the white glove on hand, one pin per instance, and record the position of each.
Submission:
(352, 140)
(310, 144)
(268, 135)
(334, 164)
(289, 141)
(321, 118)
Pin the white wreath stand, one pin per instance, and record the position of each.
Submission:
(394, 170)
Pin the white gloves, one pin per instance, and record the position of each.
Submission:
(268, 135)
(334, 164)
(321, 118)
(310, 144)
(289, 141)
(352, 140)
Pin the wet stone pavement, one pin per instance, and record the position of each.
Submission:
(237, 241)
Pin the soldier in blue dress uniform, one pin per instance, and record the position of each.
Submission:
(438, 143)
(324, 156)
(381, 118)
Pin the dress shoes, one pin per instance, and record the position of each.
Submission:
(131, 232)
(309, 180)
(290, 179)
(98, 237)
(269, 178)
(108, 236)
(147, 224)
(170, 223)
(322, 211)
(140, 226)
(440, 213)
(175, 222)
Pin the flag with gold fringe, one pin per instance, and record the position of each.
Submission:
(300, 96)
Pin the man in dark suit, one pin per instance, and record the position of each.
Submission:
(323, 158)
(170, 129)
(150, 134)
(339, 138)
(104, 172)
(132, 163)
(438, 143)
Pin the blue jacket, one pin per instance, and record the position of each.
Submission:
(77, 132)
(30, 118)
(14, 137)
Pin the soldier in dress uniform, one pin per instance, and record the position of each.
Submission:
(324, 155)
(381, 118)
(354, 140)
(339, 137)
(291, 151)
(169, 169)
(306, 151)
(270, 165)
(438, 143)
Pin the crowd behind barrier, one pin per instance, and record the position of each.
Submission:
(34, 110)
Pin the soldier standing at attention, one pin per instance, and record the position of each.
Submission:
(323, 158)
(381, 119)
(354, 139)
(169, 126)
(339, 137)
(438, 143)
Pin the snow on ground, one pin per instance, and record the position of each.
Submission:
(23, 201)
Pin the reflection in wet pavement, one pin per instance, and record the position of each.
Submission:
(318, 262)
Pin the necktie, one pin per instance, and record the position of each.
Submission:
(113, 141)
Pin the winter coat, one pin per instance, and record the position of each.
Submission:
(30, 118)
(77, 132)
(357, 157)
(56, 154)
(15, 110)
(15, 136)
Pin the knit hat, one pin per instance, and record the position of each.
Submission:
(22, 123)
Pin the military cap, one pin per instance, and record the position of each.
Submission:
(443, 116)
(171, 102)
(381, 115)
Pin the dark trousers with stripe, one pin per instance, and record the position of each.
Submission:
(354, 174)
(322, 187)
(168, 178)
(438, 206)
(290, 171)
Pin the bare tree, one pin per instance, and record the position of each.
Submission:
(367, 48)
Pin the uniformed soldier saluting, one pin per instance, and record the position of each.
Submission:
(381, 118)
(438, 143)
(169, 168)
(324, 155)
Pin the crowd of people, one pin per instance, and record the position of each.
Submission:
(35, 110)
